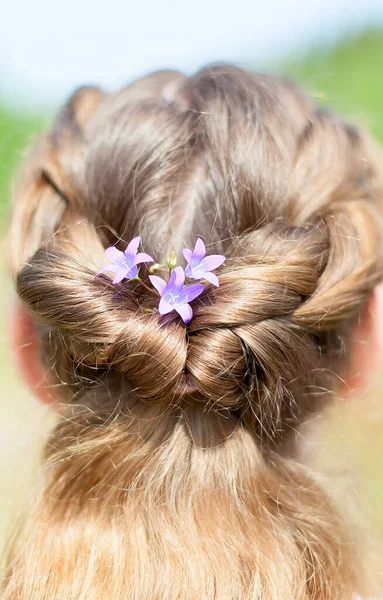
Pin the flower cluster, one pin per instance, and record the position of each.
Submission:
(174, 294)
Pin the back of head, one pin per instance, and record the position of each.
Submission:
(164, 475)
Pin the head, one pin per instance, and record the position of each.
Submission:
(165, 476)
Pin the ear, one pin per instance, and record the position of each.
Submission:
(366, 351)
(25, 346)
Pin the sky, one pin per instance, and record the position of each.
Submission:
(48, 47)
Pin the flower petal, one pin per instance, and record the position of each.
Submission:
(199, 250)
(132, 273)
(177, 279)
(212, 278)
(164, 307)
(114, 255)
(132, 247)
(142, 257)
(172, 280)
(120, 274)
(185, 311)
(213, 261)
(158, 283)
(189, 271)
(196, 273)
(192, 291)
(187, 254)
(107, 269)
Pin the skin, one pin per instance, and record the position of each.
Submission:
(366, 351)
(25, 349)
(367, 348)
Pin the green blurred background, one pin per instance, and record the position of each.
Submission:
(347, 76)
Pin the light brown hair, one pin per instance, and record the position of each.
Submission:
(164, 477)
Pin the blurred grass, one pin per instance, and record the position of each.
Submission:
(16, 132)
(349, 78)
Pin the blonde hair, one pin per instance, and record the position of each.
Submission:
(164, 477)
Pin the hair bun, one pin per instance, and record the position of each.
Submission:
(241, 351)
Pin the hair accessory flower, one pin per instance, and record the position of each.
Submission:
(174, 293)
(199, 265)
(124, 264)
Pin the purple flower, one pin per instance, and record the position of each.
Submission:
(175, 295)
(124, 264)
(199, 265)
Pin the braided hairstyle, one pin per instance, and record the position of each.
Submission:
(293, 197)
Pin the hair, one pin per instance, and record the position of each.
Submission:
(165, 476)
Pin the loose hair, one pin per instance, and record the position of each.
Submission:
(165, 477)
